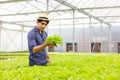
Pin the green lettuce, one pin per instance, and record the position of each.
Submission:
(55, 39)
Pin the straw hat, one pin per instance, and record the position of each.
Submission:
(43, 16)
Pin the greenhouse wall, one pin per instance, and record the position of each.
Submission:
(16, 40)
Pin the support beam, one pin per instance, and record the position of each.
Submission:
(107, 7)
(15, 23)
(81, 11)
(12, 29)
(75, 24)
(73, 31)
(110, 39)
(65, 10)
(16, 14)
(22, 32)
(90, 40)
(0, 34)
(11, 1)
(101, 37)
(47, 10)
(82, 23)
(70, 19)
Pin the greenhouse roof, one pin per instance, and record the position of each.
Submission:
(24, 12)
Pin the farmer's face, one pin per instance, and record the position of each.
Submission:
(41, 25)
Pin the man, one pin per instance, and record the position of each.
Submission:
(37, 42)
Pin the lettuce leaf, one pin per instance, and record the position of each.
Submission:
(55, 39)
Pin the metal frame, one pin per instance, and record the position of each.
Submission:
(72, 8)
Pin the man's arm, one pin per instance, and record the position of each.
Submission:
(41, 47)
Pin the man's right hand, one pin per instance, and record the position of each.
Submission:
(50, 44)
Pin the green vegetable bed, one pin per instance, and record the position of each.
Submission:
(63, 66)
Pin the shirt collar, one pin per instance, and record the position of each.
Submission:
(36, 30)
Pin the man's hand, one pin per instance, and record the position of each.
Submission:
(50, 44)
(48, 59)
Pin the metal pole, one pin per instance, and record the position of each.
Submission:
(90, 36)
(101, 37)
(73, 31)
(22, 38)
(83, 39)
(47, 9)
(0, 33)
(110, 39)
(60, 32)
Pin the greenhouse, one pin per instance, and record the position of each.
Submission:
(90, 39)
(86, 22)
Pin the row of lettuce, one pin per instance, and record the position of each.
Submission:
(63, 67)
